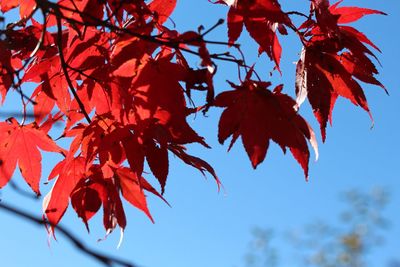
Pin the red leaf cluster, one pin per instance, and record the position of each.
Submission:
(120, 82)
(130, 88)
(334, 57)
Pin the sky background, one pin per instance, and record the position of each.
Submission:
(205, 227)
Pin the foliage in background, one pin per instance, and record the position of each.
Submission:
(358, 233)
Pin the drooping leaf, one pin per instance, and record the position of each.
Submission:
(195, 162)
(332, 60)
(86, 202)
(132, 190)
(56, 201)
(258, 116)
(262, 19)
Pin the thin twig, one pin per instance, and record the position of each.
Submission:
(98, 22)
(65, 70)
(81, 72)
(102, 258)
(297, 13)
(219, 22)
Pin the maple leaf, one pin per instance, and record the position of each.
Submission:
(196, 39)
(69, 171)
(262, 19)
(350, 14)
(163, 9)
(100, 139)
(156, 151)
(113, 211)
(86, 52)
(44, 103)
(5, 6)
(26, 7)
(19, 144)
(325, 78)
(132, 190)
(163, 98)
(104, 193)
(111, 143)
(86, 201)
(24, 41)
(258, 116)
(198, 163)
(332, 59)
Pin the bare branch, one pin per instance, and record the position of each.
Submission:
(100, 257)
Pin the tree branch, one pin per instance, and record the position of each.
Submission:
(100, 257)
(56, 10)
(64, 67)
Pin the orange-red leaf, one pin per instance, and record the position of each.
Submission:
(163, 9)
(19, 144)
(132, 190)
(56, 201)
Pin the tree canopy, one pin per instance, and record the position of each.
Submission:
(119, 81)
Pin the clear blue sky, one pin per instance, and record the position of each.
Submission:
(207, 228)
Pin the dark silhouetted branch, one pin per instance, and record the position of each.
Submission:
(102, 258)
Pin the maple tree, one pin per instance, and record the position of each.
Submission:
(119, 81)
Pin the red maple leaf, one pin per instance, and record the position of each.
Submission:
(19, 144)
(162, 9)
(163, 99)
(86, 201)
(262, 19)
(350, 14)
(258, 116)
(333, 59)
(26, 7)
(69, 171)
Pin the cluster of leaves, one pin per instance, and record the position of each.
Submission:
(117, 78)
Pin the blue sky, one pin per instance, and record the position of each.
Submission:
(205, 227)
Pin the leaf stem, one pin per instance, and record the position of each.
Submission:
(65, 70)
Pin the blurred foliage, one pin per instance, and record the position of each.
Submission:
(345, 243)
(261, 252)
